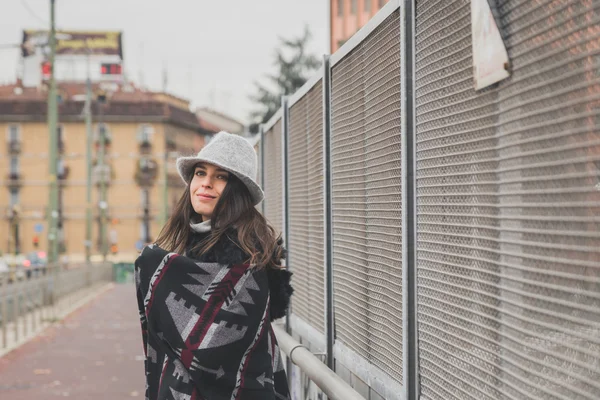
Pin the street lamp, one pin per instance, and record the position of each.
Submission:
(53, 145)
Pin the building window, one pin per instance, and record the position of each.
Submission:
(60, 133)
(145, 133)
(145, 224)
(14, 165)
(146, 163)
(340, 8)
(367, 6)
(14, 196)
(102, 129)
(14, 133)
(61, 169)
(353, 7)
(60, 138)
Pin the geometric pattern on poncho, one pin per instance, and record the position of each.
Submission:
(206, 330)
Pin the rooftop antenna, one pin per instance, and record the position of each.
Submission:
(141, 66)
(165, 77)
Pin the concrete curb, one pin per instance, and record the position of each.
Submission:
(62, 312)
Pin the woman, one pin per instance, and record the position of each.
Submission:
(212, 283)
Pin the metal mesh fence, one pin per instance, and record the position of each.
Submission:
(306, 214)
(507, 200)
(273, 185)
(366, 199)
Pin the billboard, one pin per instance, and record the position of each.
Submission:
(74, 42)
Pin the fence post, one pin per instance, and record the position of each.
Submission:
(54, 291)
(261, 130)
(285, 194)
(329, 318)
(34, 298)
(16, 312)
(4, 297)
(25, 303)
(409, 217)
(286, 189)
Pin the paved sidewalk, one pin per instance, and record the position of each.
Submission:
(95, 353)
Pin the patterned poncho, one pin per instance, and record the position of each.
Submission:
(206, 328)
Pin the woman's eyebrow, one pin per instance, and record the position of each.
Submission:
(202, 167)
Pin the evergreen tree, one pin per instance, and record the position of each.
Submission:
(294, 67)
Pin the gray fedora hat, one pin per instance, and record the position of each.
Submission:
(231, 152)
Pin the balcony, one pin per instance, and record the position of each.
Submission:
(107, 142)
(101, 174)
(14, 180)
(63, 174)
(14, 147)
(147, 172)
(145, 147)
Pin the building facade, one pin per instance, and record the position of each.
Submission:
(348, 16)
(142, 132)
(214, 120)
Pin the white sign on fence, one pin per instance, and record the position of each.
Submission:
(490, 59)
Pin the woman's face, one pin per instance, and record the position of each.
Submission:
(206, 187)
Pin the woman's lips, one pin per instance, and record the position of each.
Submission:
(205, 197)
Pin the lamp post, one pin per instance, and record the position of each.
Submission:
(88, 159)
(104, 172)
(53, 146)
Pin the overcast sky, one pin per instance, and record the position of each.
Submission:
(213, 50)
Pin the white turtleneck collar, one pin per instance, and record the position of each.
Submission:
(201, 227)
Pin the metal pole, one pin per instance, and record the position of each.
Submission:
(261, 129)
(165, 199)
(52, 123)
(286, 187)
(103, 177)
(4, 295)
(329, 317)
(146, 214)
(409, 209)
(88, 159)
(286, 219)
(16, 217)
(334, 387)
(60, 182)
(16, 312)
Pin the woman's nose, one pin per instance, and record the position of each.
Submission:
(206, 182)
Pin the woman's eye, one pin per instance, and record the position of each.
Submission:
(224, 177)
(199, 173)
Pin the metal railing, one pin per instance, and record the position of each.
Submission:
(444, 241)
(334, 387)
(33, 296)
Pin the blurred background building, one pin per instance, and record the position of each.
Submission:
(215, 120)
(348, 16)
(142, 130)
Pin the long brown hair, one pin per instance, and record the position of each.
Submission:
(255, 236)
